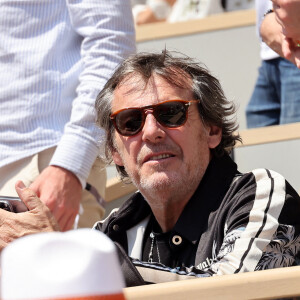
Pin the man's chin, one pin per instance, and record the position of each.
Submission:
(157, 181)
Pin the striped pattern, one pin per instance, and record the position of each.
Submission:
(263, 223)
(55, 56)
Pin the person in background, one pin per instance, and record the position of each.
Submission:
(55, 57)
(170, 130)
(286, 13)
(276, 96)
(185, 10)
(151, 11)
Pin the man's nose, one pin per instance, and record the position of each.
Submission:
(152, 130)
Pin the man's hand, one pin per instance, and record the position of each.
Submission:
(37, 219)
(291, 52)
(288, 16)
(61, 191)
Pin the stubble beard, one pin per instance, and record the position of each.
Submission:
(158, 179)
(161, 185)
(164, 188)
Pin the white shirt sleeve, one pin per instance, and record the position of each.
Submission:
(108, 36)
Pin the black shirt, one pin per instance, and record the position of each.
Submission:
(168, 248)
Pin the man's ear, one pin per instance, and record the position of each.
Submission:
(214, 136)
(117, 158)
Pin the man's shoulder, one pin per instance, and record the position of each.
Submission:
(261, 184)
(258, 176)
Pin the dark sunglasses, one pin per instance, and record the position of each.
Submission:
(170, 114)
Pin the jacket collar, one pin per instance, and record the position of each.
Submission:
(207, 198)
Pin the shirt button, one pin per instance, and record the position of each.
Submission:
(116, 227)
(176, 240)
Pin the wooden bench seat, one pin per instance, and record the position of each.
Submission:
(280, 283)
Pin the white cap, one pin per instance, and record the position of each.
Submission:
(53, 265)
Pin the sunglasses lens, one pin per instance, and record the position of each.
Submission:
(129, 121)
(171, 114)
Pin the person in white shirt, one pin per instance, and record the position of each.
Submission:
(185, 10)
(55, 57)
(286, 14)
(276, 97)
(151, 11)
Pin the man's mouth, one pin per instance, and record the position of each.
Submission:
(160, 156)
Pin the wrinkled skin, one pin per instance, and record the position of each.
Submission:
(37, 219)
(61, 191)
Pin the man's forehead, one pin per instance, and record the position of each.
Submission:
(133, 83)
(135, 86)
(130, 92)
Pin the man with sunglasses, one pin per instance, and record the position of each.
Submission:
(170, 130)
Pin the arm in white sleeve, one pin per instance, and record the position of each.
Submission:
(261, 8)
(108, 36)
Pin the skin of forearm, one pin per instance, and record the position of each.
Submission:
(271, 33)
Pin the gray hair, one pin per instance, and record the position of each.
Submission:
(180, 71)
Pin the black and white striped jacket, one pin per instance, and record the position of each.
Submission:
(240, 223)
